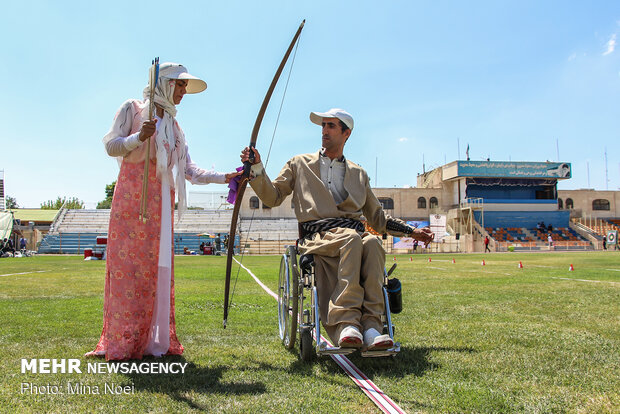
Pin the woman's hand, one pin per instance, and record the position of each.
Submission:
(245, 155)
(148, 129)
(232, 175)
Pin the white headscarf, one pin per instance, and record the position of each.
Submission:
(170, 139)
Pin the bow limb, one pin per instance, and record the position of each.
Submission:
(231, 243)
(246, 170)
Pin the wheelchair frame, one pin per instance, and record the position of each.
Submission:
(298, 315)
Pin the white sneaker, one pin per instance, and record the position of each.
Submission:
(350, 337)
(373, 340)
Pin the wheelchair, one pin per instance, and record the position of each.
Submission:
(298, 310)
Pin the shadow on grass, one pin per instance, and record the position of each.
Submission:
(195, 379)
(410, 361)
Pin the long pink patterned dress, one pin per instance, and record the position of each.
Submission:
(139, 281)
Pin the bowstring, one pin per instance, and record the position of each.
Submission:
(266, 163)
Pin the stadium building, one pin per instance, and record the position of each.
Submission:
(505, 200)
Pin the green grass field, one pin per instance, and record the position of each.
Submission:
(474, 338)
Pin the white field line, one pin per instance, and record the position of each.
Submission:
(25, 273)
(490, 272)
(587, 280)
(439, 260)
(373, 392)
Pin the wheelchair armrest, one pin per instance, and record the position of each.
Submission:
(306, 261)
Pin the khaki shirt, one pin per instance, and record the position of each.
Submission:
(301, 176)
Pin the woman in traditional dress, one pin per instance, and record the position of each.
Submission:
(138, 310)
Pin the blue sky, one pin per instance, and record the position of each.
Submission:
(513, 79)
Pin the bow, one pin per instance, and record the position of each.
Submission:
(245, 177)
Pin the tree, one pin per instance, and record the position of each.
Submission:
(71, 203)
(11, 203)
(109, 193)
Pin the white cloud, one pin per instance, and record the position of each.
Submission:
(611, 45)
(573, 56)
(403, 139)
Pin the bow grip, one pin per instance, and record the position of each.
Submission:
(248, 164)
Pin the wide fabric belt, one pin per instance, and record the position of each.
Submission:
(315, 226)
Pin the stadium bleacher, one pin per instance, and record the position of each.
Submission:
(76, 230)
(615, 222)
(68, 243)
(270, 229)
(599, 227)
(559, 234)
(521, 234)
(516, 234)
(96, 221)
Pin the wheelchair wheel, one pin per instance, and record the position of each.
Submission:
(306, 351)
(288, 288)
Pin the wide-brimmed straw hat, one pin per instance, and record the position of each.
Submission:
(177, 71)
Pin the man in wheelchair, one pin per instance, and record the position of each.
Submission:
(330, 195)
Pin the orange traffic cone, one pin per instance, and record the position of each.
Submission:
(394, 258)
(411, 258)
(453, 260)
(571, 268)
(483, 263)
(429, 259)
(520, 265)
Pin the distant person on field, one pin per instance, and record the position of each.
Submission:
(486, 244)
(10, 246)
(218, 243)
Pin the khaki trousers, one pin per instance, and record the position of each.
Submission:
(349, 271)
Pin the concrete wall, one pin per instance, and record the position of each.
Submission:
(582, 202)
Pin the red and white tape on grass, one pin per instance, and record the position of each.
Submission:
(373, 392)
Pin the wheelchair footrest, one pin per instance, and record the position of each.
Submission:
(383, 352)
(323, 349)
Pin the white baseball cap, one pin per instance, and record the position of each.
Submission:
(177, 71)
(344, 116)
